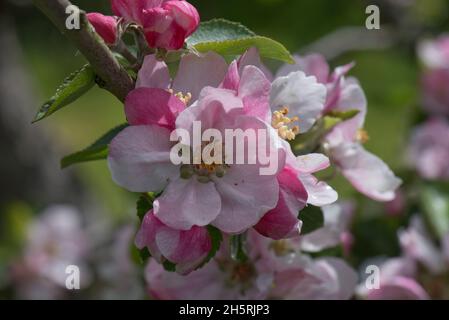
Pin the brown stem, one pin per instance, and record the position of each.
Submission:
(114, 77)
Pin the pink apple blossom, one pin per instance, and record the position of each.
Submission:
(397, 282)
(55, 240)
(434, 53)
(305, 98)
(429, 149)
(366, 172)
(166, 24)
(435, 91)
(418, 245)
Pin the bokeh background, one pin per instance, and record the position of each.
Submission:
(35, 58)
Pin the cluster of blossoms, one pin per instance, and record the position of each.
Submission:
(420, 271)
(429, 146)
(235, 198)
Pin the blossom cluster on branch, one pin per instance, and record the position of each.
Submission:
(233, 229)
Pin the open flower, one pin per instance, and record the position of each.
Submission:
(272, 103)
(366, 172)
(166, 24)
(231, 197)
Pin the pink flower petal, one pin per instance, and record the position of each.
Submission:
(139, 158)
(282, 222)
(186, 203)
(246, 197)
(153, 74)
(196, 72)
(252, 58)
(312, 65)
(303, 96)
(366, 172)
(187, 249)
(254, 90)
(150, 106)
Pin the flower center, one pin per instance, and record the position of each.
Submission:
(204, 170)
(362, 136)
(281, 247)
(186, 98)
(285, 125)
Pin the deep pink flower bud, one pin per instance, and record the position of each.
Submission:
(166, 23)
(105, 26)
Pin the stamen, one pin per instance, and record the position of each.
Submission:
(283, 124)
(362, 136)
(186, 98)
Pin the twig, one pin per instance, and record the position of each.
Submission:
(114, 77)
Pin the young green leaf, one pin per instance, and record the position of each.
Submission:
(73, 87)
(312, 219)
(231, 38)
(97, 151)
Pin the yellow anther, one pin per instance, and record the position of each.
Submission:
(362, 136)
(281, 122)
(183, 97)
(281, 247)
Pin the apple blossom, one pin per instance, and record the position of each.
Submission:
(434, 53)
(55, 240)
(429, 149)
(397, 282)
(366, 172)
(417, 244)
(166, 24)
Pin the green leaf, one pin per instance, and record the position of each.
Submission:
(312, 219)
(73, 87)
(231, 38)
(145, 204)
(435, 204)
(97, 151)
(238, 248)
(217, 239)
(169, 266)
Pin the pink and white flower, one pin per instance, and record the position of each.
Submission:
(366, 172)
(434, 54)
(397, 282)
(429, 149)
